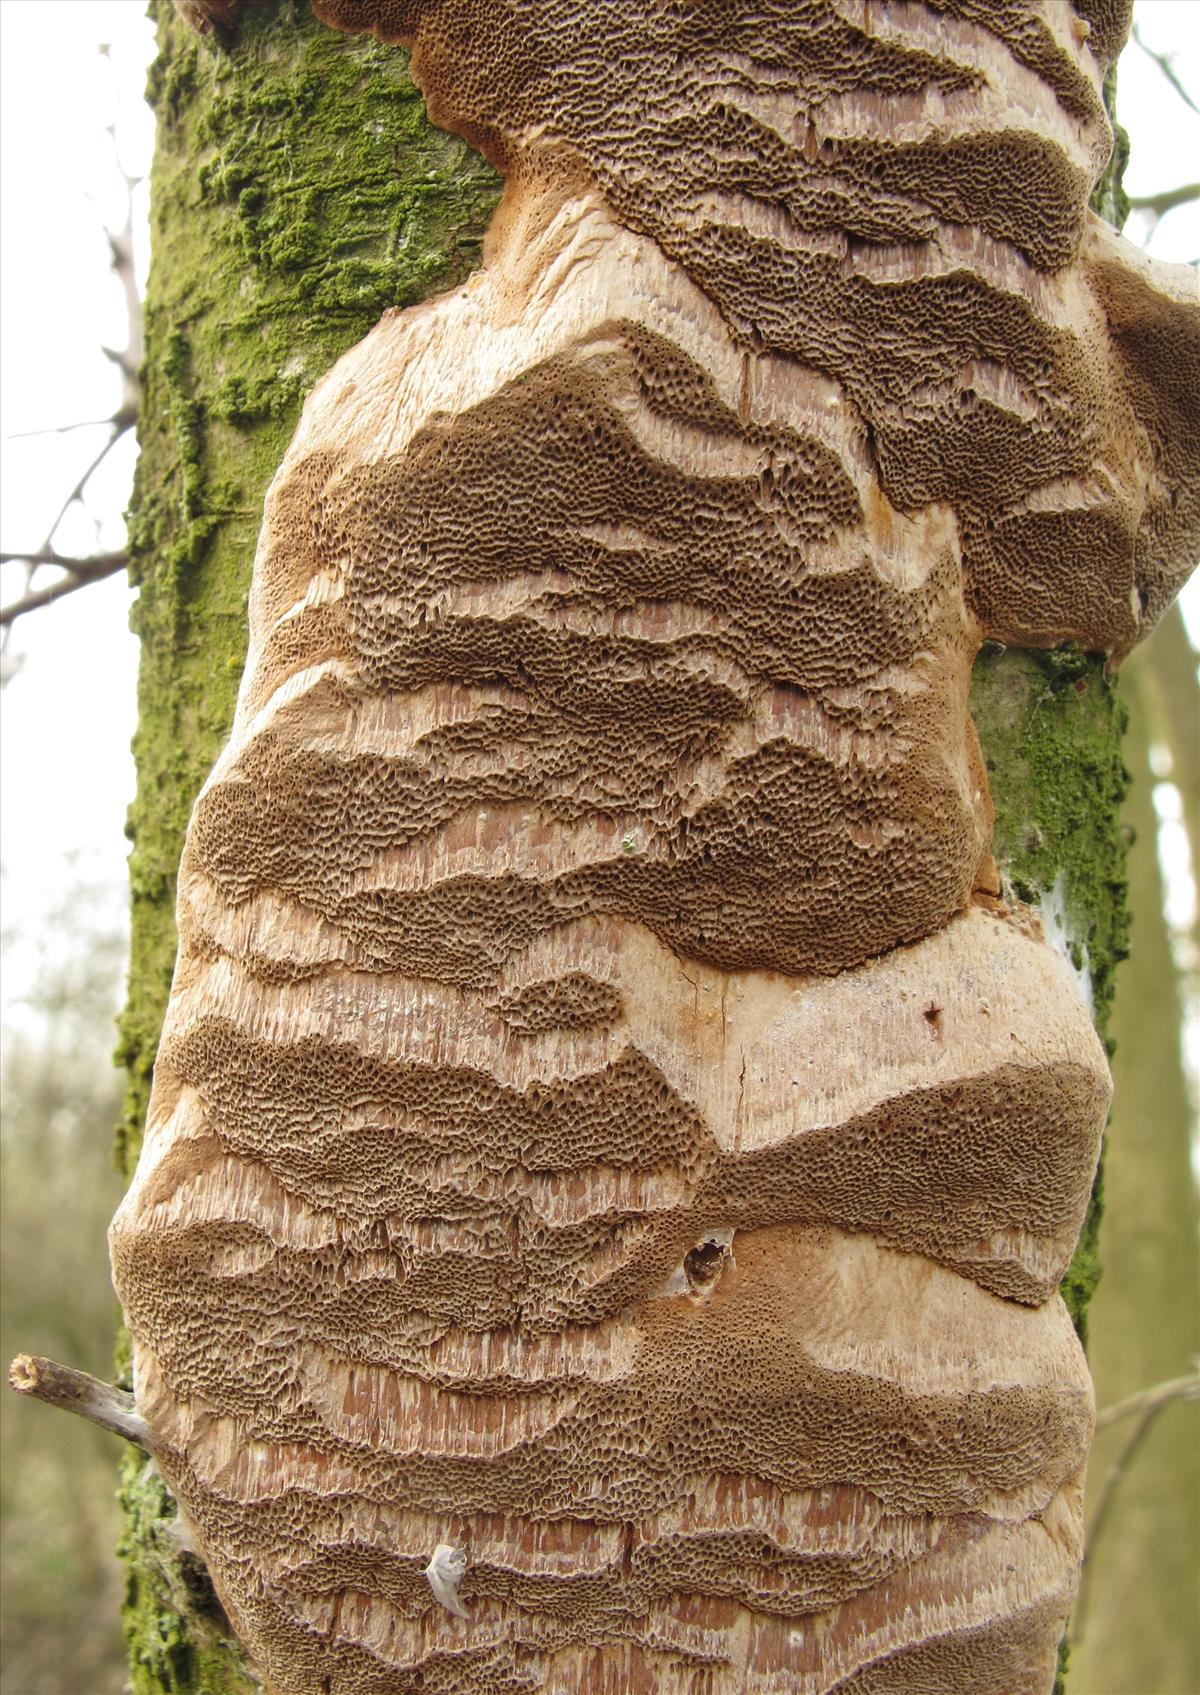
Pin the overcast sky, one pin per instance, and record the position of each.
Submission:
(68, 713)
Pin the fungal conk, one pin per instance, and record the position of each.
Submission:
(552, 1151)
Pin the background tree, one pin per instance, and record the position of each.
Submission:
(1134, 1624)
(61, 1096)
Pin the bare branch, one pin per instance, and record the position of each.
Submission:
(81, 481)
(123, 418)
(1174, 1389)
(95, 566)
(1164, 61)
(1143, 1408)
(120, 247)
(1166, 199)
(120, 357)
(80, 573)
(74, 1391)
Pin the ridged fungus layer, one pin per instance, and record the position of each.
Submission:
(612, 1152)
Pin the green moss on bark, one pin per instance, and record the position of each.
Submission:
(1050, 724)
(298, 191)
(177, 1636)
(1109, 199)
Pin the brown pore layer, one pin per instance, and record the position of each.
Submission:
(645, 655)
(593, 1125)
(714, 1434)
(896, 196)
(551, 1184)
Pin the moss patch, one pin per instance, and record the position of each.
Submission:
(176, 1633)
(298, 191)
(1109, 198)
(1050, 724)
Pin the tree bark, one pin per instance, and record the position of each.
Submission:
(831, 1315)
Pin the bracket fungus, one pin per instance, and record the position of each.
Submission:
(601, 822)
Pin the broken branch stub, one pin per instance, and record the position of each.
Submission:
(77, 1392)
(609, 1145)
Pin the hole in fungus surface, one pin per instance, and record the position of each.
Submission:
(933, 1017)
(703, 1264)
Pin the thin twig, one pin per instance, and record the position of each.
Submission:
(122, 417)
(128, 362)
(95, 565)
(120, 248)
(74, 1391)
(1174, 1389)
(1143, 1408)
(78, 573)
(81, 573)
(118, 430)
(1163, 61)
(1166, 199)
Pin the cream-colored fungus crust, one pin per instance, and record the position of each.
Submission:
(606, 1121)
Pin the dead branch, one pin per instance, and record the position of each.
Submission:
(122, 417)
(74, 1391)
(1166, 199)
(115, 434)
(79, 574)
(96, 565)
(120, 247)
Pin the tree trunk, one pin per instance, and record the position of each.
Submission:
(298, 192)
(615, 1114)
(1131, 1628)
